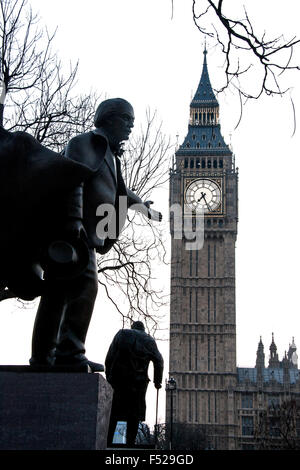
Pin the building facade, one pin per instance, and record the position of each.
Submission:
(204, 197)
(264, 389)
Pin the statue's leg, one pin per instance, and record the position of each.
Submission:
(46, 326)
(82, 294)
(132, 430)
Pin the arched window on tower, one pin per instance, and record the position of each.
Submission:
(215, 164)
(203, 163)
(192, 163)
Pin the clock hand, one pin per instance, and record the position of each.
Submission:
(202, 196)
(205, 201)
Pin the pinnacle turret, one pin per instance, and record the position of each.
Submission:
(292, 355)
(260, 355)
(273, 361)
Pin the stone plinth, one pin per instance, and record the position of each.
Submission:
(53, 411)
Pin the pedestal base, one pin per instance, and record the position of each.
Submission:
(54, 411)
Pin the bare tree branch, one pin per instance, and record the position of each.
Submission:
(246, 50)
(40, 99)
(277, 426)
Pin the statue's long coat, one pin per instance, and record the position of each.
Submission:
(126, 368)
(106, 186)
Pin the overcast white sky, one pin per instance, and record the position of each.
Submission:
(133, 49)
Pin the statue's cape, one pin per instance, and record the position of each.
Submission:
(34, 182)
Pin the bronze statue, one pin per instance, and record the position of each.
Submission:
(67, 303)
(126, 368)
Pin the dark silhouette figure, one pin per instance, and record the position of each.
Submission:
(66, 306)
(126, 368)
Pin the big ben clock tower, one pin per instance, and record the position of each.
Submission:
(202, 311)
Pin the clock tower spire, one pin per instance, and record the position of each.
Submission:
(204, 132)
(202, 306)
(204, 108)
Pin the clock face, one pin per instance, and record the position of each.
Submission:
(203, 195)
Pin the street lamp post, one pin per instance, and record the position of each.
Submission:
(171, 386)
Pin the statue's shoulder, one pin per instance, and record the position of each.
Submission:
(18, 142)
(126, 337)
(89, 139)
(124, 332)
(82, 138)
(22, 137)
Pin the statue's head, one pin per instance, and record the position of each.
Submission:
(138, 325)
(116, 117)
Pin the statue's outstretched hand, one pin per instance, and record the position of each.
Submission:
(151, 213)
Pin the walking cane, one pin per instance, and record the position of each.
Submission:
(155, 433)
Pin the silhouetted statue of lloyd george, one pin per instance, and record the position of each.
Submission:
(54, 200)
(66, 307)
(126, 369)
